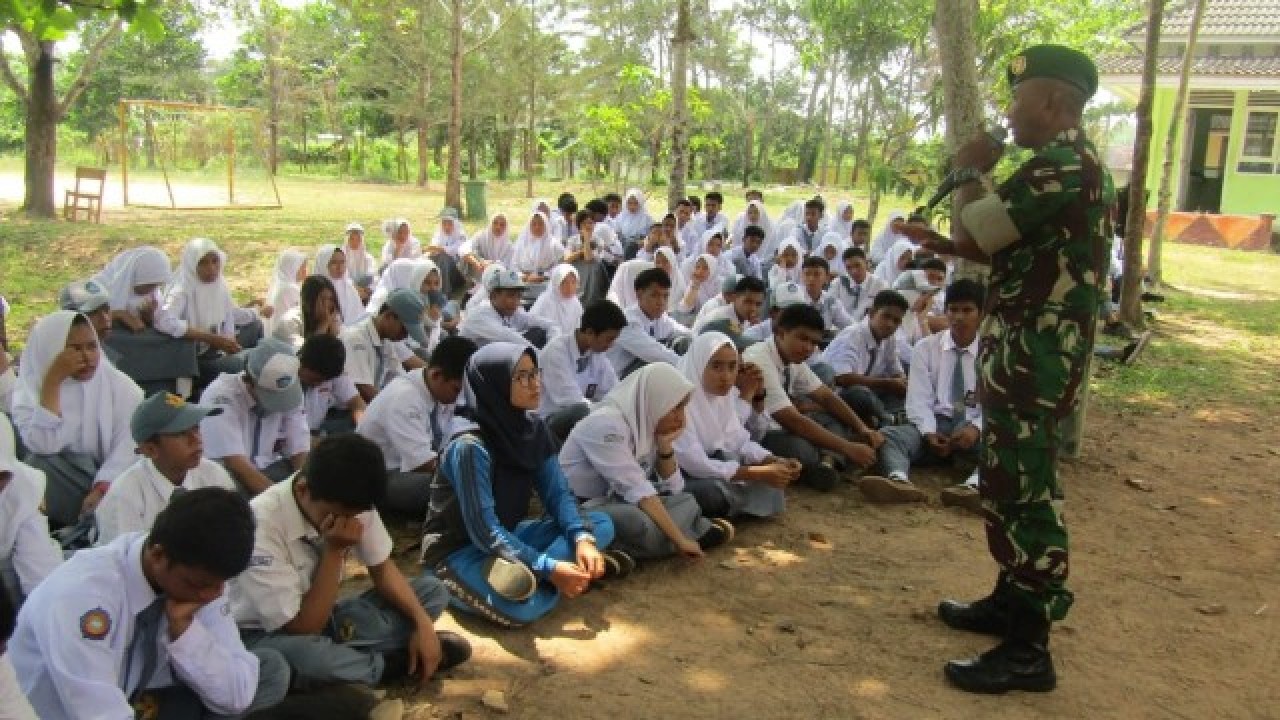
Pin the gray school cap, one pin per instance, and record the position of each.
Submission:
(505, 280)
(448, 213)
(166, 414)
(729, 283)
(410, 307)
(83, 296)
(786, 295)
(273, 367)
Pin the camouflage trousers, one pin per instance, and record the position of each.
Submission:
(1022, 503)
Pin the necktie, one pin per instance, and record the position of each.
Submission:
(177, 490)
(377, 374)
(651, 330)
(871, 361)
(857, 295)
(146, 635)
(958, 388)
(257, 433)
(583, 362)
(786, 379)
(436, 436)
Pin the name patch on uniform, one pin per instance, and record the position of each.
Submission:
(612, 438)
(260, 561)
(95, 624)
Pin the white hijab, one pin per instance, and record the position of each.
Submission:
(885, 240)
(710, 419)
(633, 224)
(359, 260)
(711, 286)
(209, 305)
(349, 304)
(677, 277)
(837, 224)
(451, 239)
(564, 313)
(741, 223)
(642, 399)
(399, 275)
(412, 247)
(91, 410)
(779, 274)
(794, 212)
(832, 239)
(497, 248)
(144, 265)
(888, 270)
(282, 293)
(533, 252)
(622, 290)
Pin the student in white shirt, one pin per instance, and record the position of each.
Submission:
(633, 221)
(608, 246)
(331, 263)
(376, 353)
(493, 244)
(857, 288)
(361, 266)
(167, 430)
(665, 260)
(710, 219)
(651, 334)
(829, 249)
(591, 251)
(315, 314)
(786, 266)
(144, 622)
(722, 299)
(418, 274)
(308, 529)
(410, 422)
(27, 553)
(90, 299)
(445, 251)
(200, 302)
(889, 236)
(576, 374)
(686, 230)
(896, 261)
(817, 426)
(621, 460)
(945, 419)
(559, 305)
(261, 435)
(860, 236)
(864, 358)
(537, 251)
(702, 284)
(725, 470)
(502, 319)
(816, 275)
(739, 316)
(810, 230)
(755, 215)
(283, 292)
(330, 400)
(72, 412)
(401, 243)
(745, 255)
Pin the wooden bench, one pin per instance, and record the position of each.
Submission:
(82, 200)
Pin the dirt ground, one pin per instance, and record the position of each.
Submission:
(829, 611)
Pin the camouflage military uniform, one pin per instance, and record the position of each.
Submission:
(1042, 304)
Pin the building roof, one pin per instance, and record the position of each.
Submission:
(1201, 66)
(1222, 19)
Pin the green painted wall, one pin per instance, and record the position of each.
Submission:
(1242, 193)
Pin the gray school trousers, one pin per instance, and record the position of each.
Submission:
(360, 630)
(68, 478)
(875, 409)
(593, 280)
(904, 445)
(408, 493)
(727, 499)
(152, 359)
(178, 702)
(639, 536)
(784, 444)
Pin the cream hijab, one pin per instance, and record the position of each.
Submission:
(642, 399)
(349, 304)
(564, 313)
(209, 305)
(888, 270)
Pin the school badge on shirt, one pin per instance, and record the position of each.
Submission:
(95, 624)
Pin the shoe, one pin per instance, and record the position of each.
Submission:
(889, 491)
(454, 650)
(985, 616)
(511, 580)
(1131, 351)
(819, 476)
(617, 564)
(395, 666)
(962, 496)
(1011, 665)
(720, 532)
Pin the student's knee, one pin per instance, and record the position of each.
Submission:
(274, 678)
(432, 595)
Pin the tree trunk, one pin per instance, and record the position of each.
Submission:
(805, 170)
(864, 134)
(402, 156)
(503, 140)
(1131, 290)
(424, 157)
(748, 139)
(824, 140)
(271, 65)
(1177, 122)
(679, 105)
(962, 96)
(453, 176)
(41, 135)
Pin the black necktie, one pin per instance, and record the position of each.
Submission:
(436, 435)
(871, 362)
(146, 634)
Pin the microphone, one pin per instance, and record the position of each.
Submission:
(996, 136)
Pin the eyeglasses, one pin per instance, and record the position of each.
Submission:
(528, 378)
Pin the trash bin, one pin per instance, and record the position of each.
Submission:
(476, 210)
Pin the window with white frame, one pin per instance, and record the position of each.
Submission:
(1258, 155)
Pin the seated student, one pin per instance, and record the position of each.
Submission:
(288, 601)
(72, 412)
(834, 317)
(536, 252)
(608, 246)
(148, 341)
(860, 236)
(710, 219)
(331, 263)
(167, 431)
(410, 422)
(559, 305)
(144, 622)
(315, 314)
(329, 398)
(445, 251)
(786, 268)
(376, 352)
(90, 299)
(633, 222)
(722, 299)
(566, 220)
(864, 357)
(754, 214)
(651, 335)
(830, 249)
(714, 254)
(476, 538)
(841, 223)
(744, 256)
(502, 319)
(657, 237)
(587, 253)
(283, 292)
(701, 285)
(686, 230)
(945, 420)
(896, 261)
(821, 424)
(200, 301)
(491, 245)
(811, 228)
(261, 435)
(613, 203)
(621, 461)
(724, 468)
(857, 288)
(576, 374)
(737, 317)
(928, 276)
(401, 243)
(918, 323)
(27, 554)
(666, 261)
(361, 267)
(418, 274)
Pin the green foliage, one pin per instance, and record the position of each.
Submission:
(55, 19)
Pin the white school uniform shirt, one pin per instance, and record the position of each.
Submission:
(808, 239)
(707, 431)
(8, 383)
(608, 246)
(563, 384)
(778, 393)
(13, 703)
(833, 313)
(700, 225)
(24, 530)
(399, 421)
(724, 312)
(642, 338)
(286, 553)
(856, 350)
(856, 298)
(909, 333)
(485, 325)
(140, 494)
(367, 353)
(72, 641)
(929, 384)
(599, 461)
(239, 431)
(318, 400)
(746, 265)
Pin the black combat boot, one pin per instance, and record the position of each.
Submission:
(1021, 662)
(988, 616)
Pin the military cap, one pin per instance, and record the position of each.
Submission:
(1055, 61)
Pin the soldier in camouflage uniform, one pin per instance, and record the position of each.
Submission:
(1045, 233)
